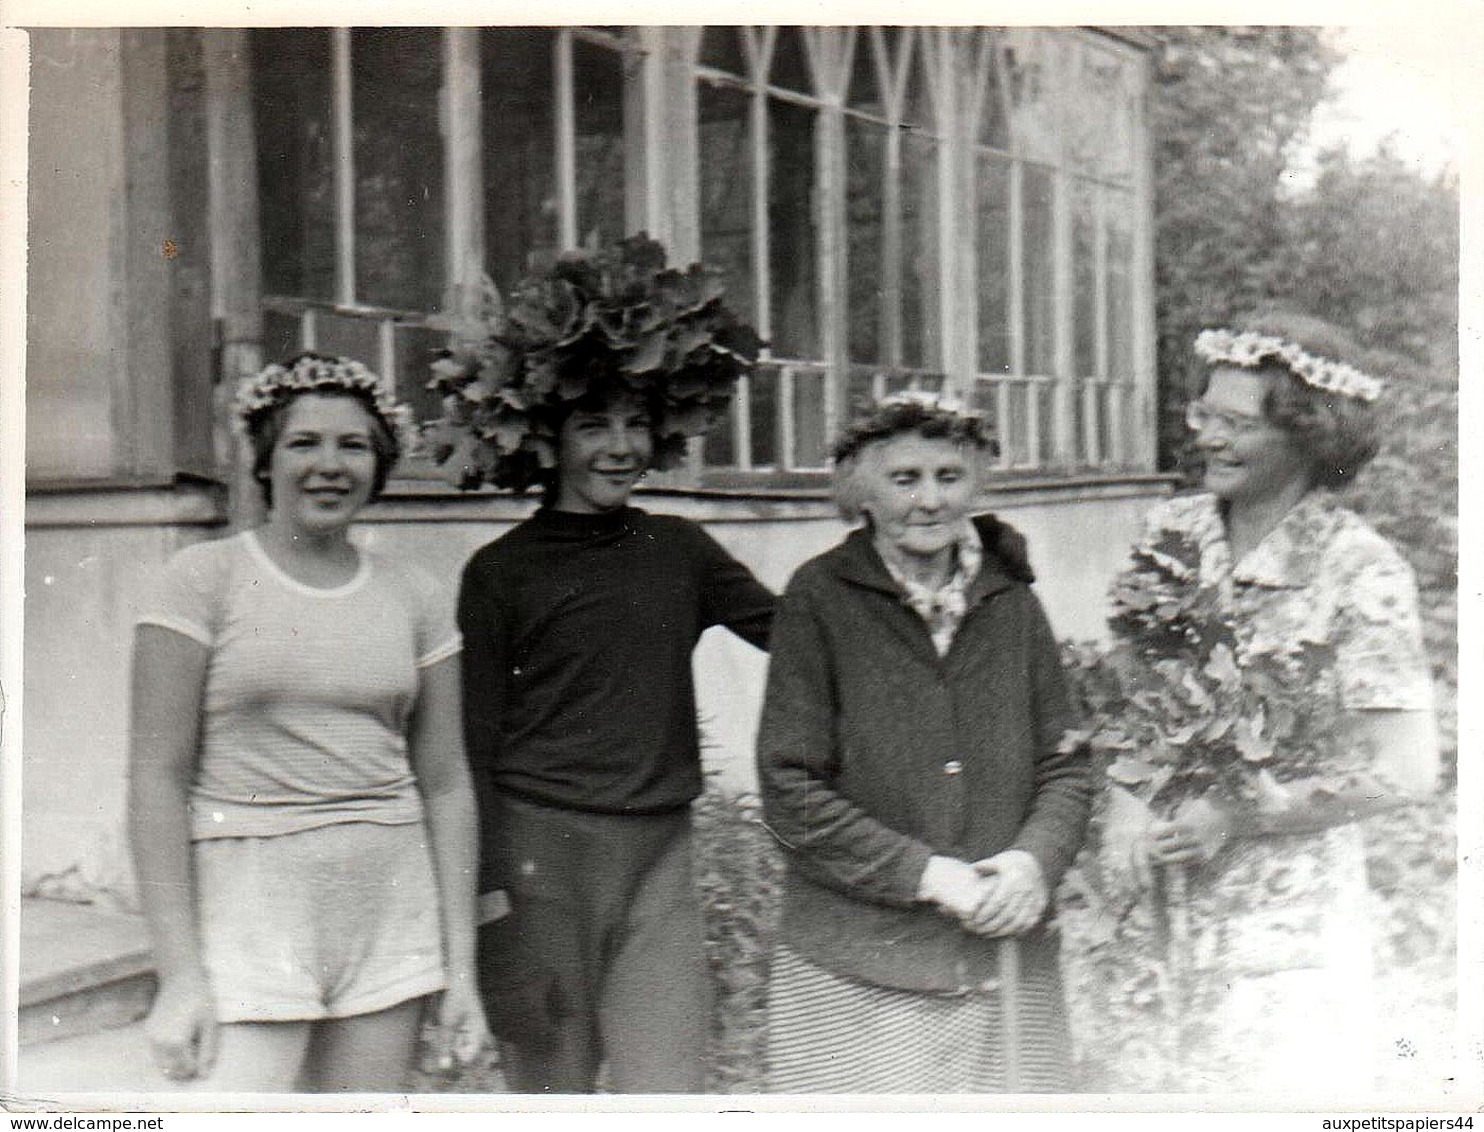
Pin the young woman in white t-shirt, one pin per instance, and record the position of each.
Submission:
(302, 817)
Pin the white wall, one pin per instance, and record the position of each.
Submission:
(84, 586)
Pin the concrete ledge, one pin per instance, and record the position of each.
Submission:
(408, 501)
(118, 504)
(125, 505)
(99, 1009)
(83, 968)
(66, 947)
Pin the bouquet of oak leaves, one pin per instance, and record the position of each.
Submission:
(1189, 701)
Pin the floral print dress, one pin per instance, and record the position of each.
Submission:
(1274, 980)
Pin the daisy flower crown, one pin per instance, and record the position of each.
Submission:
(925, 399)
(908, 411)
(319, 373)
(1248, 350)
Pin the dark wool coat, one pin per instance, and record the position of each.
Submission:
(874, 754)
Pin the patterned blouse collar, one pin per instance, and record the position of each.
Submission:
(1286, 557)
(943, 608)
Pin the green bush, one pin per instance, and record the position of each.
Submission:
(739, 870)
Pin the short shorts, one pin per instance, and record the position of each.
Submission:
(325, 923)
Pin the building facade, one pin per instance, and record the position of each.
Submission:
(964, 208)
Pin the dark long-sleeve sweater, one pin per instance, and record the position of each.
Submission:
(874, 753)
(578, 632)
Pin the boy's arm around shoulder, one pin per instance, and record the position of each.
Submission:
(732, 596)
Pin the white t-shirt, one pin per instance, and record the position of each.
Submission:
(308, 691)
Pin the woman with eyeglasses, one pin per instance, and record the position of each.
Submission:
(1280, 994)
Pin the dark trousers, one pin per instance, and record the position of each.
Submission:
(602, 956)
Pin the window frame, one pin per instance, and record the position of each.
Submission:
(663, 75)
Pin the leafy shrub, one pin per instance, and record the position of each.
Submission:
(739, 870)
(1409, 493)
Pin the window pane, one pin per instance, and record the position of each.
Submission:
(1016, 438)
(396, 74)
(1041, 397)
(1100, 138)
(865, 92)
(993, 241)
(790, 67)
(808, 408)
(921, 339)
(793, 244)
(1120, 286)
(1079, 424)
(350, 337)
(914, 382)
(1039, 247)
(597, 92)
(1105, 424)
(865, 179)
(516, 101)
(725, 170)
(415, 347)
(296, 187)
(899, 43)
(1031, 58)
(919, 109)
(281, 339)
(1084, 280)
(860, 392)
(898, 383)
(718, 450)
(985, 400)
(721, 49)
(994, 115)
(764, 405)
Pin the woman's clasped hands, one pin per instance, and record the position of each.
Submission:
(1002, 895)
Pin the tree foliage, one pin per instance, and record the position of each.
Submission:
(1371, 245)
(1229, 105)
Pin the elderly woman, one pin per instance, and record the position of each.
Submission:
(1280, 997)
(303, 822)
(913, 769)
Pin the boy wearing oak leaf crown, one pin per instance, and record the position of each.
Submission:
(580, 722)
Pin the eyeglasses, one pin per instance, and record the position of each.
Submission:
(1203, 418)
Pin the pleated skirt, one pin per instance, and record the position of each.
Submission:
(829, 1034)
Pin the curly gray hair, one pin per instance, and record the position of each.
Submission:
(930, 416)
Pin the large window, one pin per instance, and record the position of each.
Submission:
(893, 208)
(758, 181)
(397, 164)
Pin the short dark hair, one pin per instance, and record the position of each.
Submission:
(264, 430)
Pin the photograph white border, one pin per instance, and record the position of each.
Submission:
(1465, 23)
